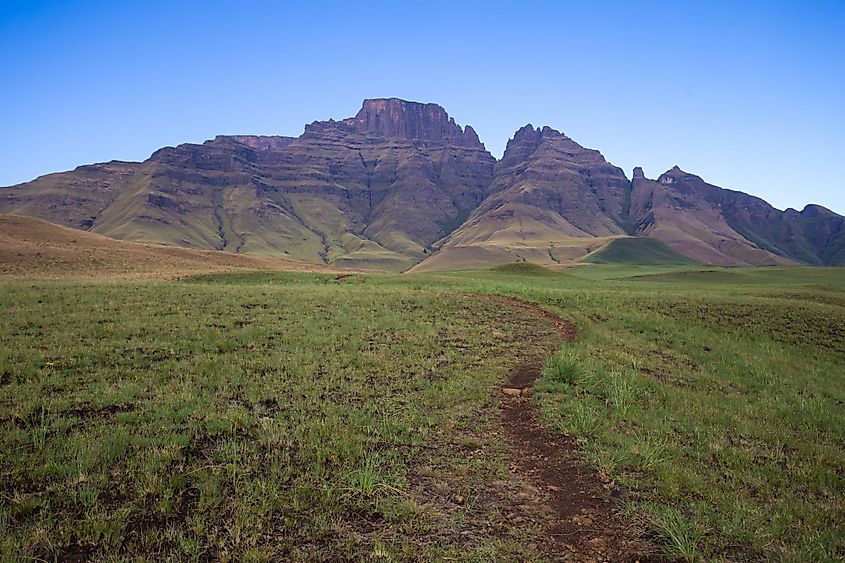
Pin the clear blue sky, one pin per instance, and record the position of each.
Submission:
(748, 95)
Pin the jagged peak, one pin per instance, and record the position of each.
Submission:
(672, 175)
(524, 142)
(528, 139)
(526, 132)
(547, 131)
(638, 173)
(471, 135)
(532, 133)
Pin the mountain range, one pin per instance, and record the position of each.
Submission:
(402, 186)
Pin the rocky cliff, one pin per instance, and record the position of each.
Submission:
(401, 184)
(730, 228)
(551, 201)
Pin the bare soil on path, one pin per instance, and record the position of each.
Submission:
(580, 516)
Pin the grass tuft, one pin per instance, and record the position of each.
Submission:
(679, 538)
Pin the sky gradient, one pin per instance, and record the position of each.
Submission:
(748, 95)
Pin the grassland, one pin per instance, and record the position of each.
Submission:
(638, 251)
(269, 415)
(34, 249)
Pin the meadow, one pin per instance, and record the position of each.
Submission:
(267, 415)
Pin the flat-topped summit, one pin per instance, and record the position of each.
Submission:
(392, 117)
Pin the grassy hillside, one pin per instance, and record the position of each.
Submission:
(645, 251)
(292, 415)
(35, 249)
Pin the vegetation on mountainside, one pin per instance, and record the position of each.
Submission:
(638, 251)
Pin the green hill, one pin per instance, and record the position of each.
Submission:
(645, 251)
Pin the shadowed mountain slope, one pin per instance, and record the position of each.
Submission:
(639, 251)
(729, 228)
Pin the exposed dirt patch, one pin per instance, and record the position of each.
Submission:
(72, 552)
(88, 411)
(349, 278)
(578, 511)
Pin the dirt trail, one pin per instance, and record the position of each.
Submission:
(582, 522)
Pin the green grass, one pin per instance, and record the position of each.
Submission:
(642, 251)
(714, 398)
(249, 419)
(267, 416)
(523, 268)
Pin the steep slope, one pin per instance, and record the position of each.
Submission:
(33, 248)
(375, 190)
(824, 230)
(383, 186)
(551, 201)
(73, 199)
(729, 228)
(680, 213)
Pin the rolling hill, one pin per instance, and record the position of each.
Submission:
(33, 248)
(638, 251)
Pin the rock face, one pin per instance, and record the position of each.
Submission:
(551, 200)
(266, 143)
(374, 190)
(383, 186)
(675, 210)
(401, 184)
(412, 121)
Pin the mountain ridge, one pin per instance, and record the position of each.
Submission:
(402, 185)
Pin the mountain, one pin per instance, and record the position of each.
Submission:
(551, 201)
(684, 213)
(729, 228)
(374, 190)
(401, 185)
